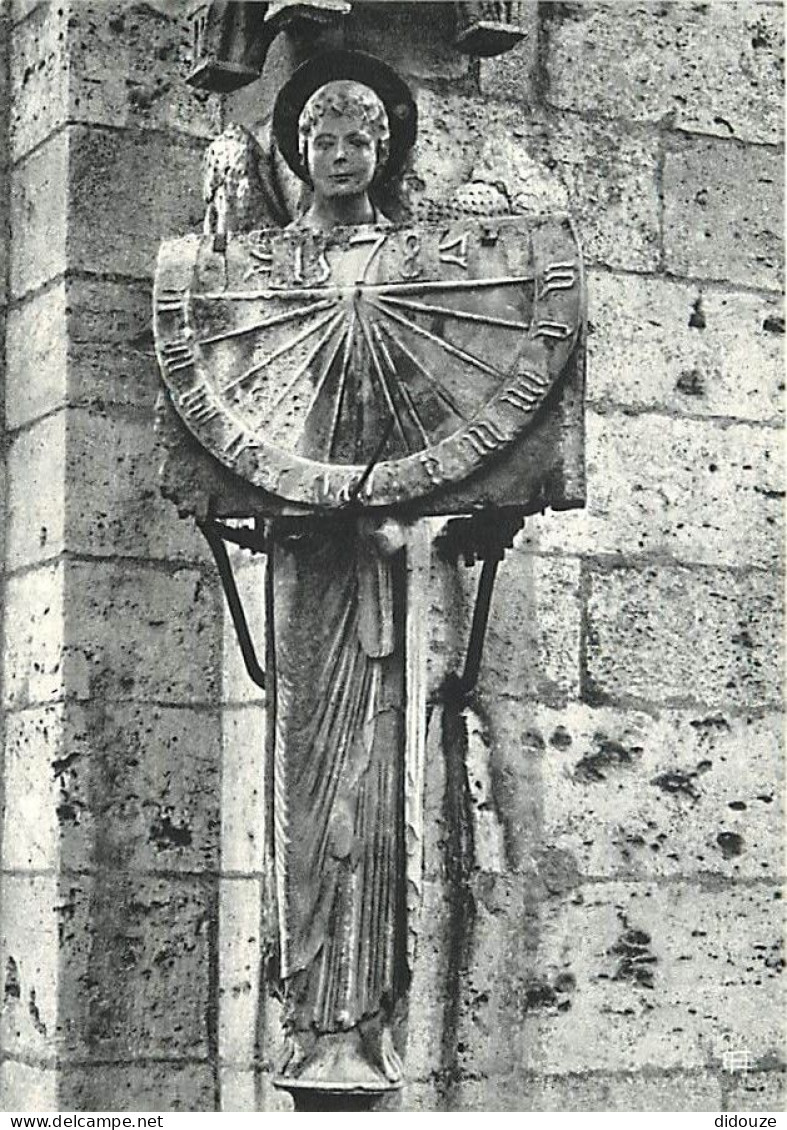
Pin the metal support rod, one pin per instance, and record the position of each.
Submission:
(483, 601)
(214, 535)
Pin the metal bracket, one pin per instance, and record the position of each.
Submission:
(216, 534)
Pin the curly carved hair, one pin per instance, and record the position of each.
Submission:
(337, 98)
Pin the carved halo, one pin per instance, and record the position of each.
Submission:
(358, 67)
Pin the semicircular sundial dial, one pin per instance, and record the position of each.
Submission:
(371, 364)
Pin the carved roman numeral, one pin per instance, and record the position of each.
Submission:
(170, 301)
(197, 405)
(559, 331)
(236, 445)
(484, 437)
(177, 355)
(558, 276)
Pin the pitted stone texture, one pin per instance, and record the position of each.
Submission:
(415, 42)
(710, 68)
(240, 911)
(112, 785)
(36, 354)
(645, 1092)
(105, 63)
(119, 509)
(28, 1088)
(512, 76)
(533, 638)
(723, 212)
(39, 194)
(676, 636)
(129, 190)
(160, 1087)
(242, 788)
(687, 490)
(663, 977)
(35, 514)
(33, 653)
(656, 343)
(609, 793)
(755, 1091)
(29, 963)
(606, 179)
(142, 633)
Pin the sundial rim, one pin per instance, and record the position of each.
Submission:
(394, 316)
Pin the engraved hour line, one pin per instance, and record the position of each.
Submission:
(348, 344)
(438, 389)
(302, 369)
(462, 315)
(451, 284)
(326, 370)
(288, 345)
(381, 376)
(370, 288)
(403, 389)
(274, 320)
(469, 358)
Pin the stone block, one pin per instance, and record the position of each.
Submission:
(111, 354)
(240, 915)
(97, 966)
(684, 350)
(117, 507)
(33, 908)
(512, 76)
(238, 1090)
(586, 1092)
(159, 1087)
(36, 486)
(417, 42)
(27, 1088)
(691, 491)
(618, 793)
(710, 69)
(129, 190)
(748, 1091)
(242, 792)
(112, 785)
(676, 636)
(39, 193)
(142, 633)
(36, 351)
(723, 212)
(33, 652)
(21, 9)
(39, 77)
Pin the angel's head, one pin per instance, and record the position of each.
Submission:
(343, 138)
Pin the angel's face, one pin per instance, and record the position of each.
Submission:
(342, 155)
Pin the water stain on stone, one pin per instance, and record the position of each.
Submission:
(13, 987)
(697, 317)
(560, 739)
(609, 754)
(677, 782)
(635, 957)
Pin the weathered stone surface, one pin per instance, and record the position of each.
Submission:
(239, 970)
(676, 636)
(121, 206)
(112, 785)
(512, 76)
(610, 793)
(749, 1091)
(38, 216)
(160, 1087)
(711, 68)
(689, 490)
(27, 1088)
(36, 493)
(532, 644)
(36, 351)
(723, 213)
(108, 64)
(676, 1091)
(656, 343)
(129, 944)
(33, 653)
(119, 508)
(242, 789)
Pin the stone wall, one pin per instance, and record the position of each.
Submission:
(609, 932)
